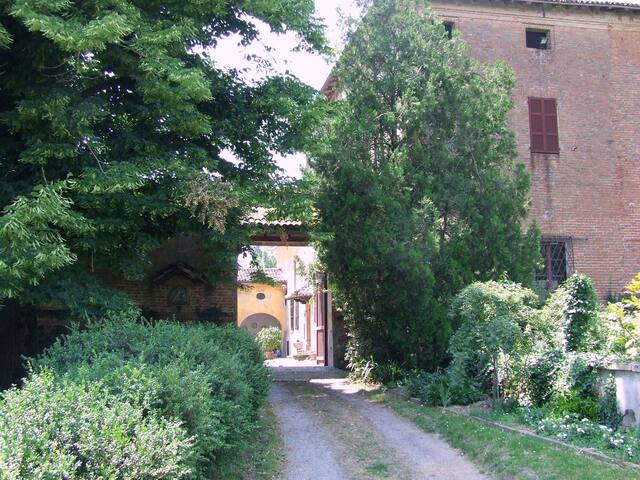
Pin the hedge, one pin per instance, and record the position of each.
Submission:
(204, 384)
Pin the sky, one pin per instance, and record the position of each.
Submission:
(312, 69)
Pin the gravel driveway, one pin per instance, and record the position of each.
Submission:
(332, 431)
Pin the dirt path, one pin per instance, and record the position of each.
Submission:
(333, 431)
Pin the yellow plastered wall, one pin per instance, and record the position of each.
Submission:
(273, 304)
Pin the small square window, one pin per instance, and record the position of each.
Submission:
(448, 28)
(538, 39)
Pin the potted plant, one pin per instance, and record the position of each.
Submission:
(301, 355)
(269, 339)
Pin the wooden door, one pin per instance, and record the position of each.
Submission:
(322, 300)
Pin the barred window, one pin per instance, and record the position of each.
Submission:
(557, 254)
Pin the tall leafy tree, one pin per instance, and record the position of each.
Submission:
(419, 190)
(112, 124)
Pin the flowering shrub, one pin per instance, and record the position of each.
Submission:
(577, 430)
(269, 339)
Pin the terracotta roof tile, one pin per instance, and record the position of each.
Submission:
(634, 4)
(245, 275)
(259, 218)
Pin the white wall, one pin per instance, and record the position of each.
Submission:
(627, 379)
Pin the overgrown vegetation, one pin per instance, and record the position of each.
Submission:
(404, 163)
(507, 455)
(125, 398)
(496, 320)
(510, 348)
(541, 366)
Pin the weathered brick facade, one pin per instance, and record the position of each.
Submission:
(589, 193)
(175, 288)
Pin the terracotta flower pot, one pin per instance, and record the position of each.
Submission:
(270, 355)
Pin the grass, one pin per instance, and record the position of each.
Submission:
(597, 443)
(264, 458)
(507, 455)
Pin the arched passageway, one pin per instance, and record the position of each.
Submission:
(256, 322)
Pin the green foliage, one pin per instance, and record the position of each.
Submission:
(495, 318)
(209, 378)
(578, 429)
(571, 403)
(82, 431)
(624, 322)
(269, 339)
(404, 166)
(367, 370)
(264, 258)
(535, 377)
(608, 413)
(431, 388)
(577, 387)
(581, 314)
(569, 321)
(32, 237)
(114, 124)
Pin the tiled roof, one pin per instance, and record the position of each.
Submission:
(245, 275)
(303, 295)
(634, 4)
(259, 218)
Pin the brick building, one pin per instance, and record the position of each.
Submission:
(577, 122)
(176, 285)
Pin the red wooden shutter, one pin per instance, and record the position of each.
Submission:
(543, 125)
(552, 144)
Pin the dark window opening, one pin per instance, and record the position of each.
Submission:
(261, 296)
(448, 28)
(538, 39)
(557, 256)
(543, 125)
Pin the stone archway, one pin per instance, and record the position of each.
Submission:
(257, 321)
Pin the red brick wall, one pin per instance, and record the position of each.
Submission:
(153, 296)
(591, 190)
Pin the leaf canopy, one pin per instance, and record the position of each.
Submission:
(113, 128)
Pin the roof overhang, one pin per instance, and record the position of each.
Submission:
(599, 4)
(292, 237)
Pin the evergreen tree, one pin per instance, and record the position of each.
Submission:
(112, 125)
(419, 190)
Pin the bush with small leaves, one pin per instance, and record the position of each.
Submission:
(209, 378)
(81, 431)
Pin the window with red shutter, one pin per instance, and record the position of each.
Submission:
(543, 125)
